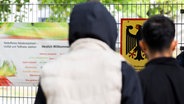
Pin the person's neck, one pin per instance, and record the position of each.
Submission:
(159, 54)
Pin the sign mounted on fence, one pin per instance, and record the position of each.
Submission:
(130, 36)
(26, 47)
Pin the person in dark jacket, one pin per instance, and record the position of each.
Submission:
(91, 72)
(162, 78)
(180, 58)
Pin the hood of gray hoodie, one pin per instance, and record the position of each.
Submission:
(92, 20)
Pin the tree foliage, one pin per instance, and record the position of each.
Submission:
(6, 9)
(62, 8)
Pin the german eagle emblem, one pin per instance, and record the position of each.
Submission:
(132, 43)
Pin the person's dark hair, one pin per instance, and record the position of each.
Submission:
(158, 32)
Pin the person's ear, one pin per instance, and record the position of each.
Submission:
(143, 46)
(173, 45)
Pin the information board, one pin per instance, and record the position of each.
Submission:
(26, 47)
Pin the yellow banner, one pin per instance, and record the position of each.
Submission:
(130, 36)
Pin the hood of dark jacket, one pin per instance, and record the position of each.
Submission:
(92, 20)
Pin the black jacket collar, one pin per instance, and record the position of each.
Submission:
(162, 60)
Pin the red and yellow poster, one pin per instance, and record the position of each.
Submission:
(130, 36)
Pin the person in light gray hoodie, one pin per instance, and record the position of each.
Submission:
(91, 72)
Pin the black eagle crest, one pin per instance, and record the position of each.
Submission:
(132, 42)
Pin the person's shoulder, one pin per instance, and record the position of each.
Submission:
(127, 68)
(55, 64)
(180, 69)
(181, 55)
(113, 55)
(149, 68)
(144, 70)
(180, 59)
(129, 73)
(145, 73)
(50, 65)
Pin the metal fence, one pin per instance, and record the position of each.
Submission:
(30, 13)
(17, 94)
